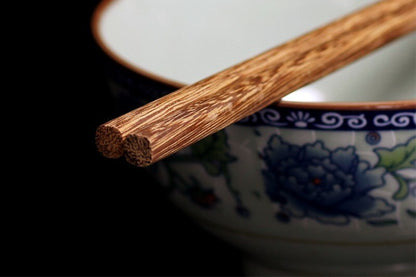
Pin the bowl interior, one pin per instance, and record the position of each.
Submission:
(186, 40)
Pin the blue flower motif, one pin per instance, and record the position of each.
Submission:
(328, 186)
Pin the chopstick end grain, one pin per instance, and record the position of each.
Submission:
(137, 150)
(109, 141)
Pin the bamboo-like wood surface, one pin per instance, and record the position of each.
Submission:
(163, 127)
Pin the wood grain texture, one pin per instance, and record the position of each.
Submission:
(163, 127)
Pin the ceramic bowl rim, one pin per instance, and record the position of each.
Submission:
(367, 105)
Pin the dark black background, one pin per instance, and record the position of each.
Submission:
(66, 210)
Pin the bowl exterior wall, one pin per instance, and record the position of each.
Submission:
(297, 186)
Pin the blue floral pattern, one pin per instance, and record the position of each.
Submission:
(330, 186)
(308, 181)
(213, 154)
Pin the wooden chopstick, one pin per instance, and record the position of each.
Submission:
(168, 124)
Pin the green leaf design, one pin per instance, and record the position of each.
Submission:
(400, 157)
(213, 153)
(403, 190)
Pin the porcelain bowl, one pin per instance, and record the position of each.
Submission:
(323, 182)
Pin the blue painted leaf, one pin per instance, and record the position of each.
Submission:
(411, 213)
(385, 222)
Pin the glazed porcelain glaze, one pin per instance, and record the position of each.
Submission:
(185, 41)
(323, 182)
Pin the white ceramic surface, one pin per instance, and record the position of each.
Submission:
(185, 41)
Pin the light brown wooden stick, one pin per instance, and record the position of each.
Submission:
(162, 127)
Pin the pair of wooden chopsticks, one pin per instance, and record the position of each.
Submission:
(162, 127)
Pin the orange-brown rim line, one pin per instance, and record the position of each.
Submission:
(371, 105)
